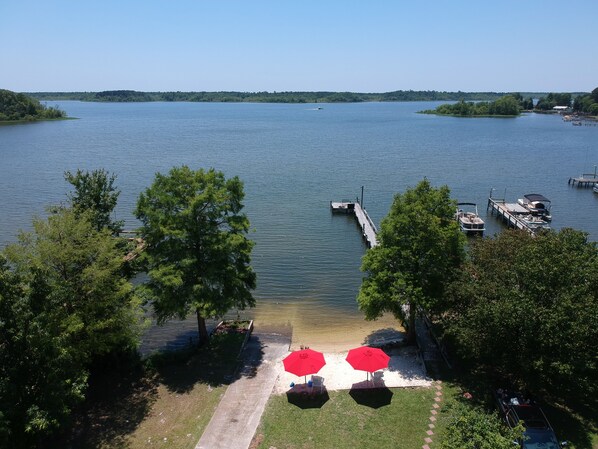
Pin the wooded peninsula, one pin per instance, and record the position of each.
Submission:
(16, 107)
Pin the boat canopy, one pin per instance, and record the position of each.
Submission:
(466, 204)
(536, 197)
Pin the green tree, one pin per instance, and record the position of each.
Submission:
(95, 193)
(197, 252)
(528, 104)
(419, 248)
(554, 99)
(14, 106)
(471, 427)
(41, 374)
(583, 103)
(524, 310)
(507, 105)
(77, 270)
(64, 304)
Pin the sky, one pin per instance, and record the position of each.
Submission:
(300, 45)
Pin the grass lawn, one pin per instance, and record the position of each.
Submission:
(342, 422)
(166, 403)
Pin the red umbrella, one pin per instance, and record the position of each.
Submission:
(367, 359)
(304, 362)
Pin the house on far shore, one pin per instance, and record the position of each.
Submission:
(561, 109)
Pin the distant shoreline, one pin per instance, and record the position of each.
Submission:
(131, 96)
(36, 120)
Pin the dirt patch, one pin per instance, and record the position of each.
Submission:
(257, 440)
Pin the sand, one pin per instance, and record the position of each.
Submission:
(405, 369)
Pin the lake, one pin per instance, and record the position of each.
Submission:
(294, 159)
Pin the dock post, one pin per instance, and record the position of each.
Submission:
(361, 196)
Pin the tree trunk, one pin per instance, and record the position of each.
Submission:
(411, 323)
(201, 327)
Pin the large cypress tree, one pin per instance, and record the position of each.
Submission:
(198, 253)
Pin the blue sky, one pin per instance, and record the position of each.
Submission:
(255, 45)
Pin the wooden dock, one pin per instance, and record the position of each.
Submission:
(515, 215)
(368, 228)
(585, 180)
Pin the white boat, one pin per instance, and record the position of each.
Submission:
(534, 222)
(537, 205)
(468, 218)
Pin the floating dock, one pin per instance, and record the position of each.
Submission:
(368, 228)
(516, 216)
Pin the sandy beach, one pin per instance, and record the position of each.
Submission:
(329, 330)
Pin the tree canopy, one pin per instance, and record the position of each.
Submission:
(96, 194)
(524, 310)
(470, 427)
(587, 103)
(63, 304)
(553, 99)
(41, 374)
(419, 248)
(197, 252)
(15, 106)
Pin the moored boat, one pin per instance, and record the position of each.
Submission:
(469, 219)
(534, 222)
(537, 205)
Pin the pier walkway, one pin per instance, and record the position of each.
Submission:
(516, 216)
(368, 228)
(585, 180)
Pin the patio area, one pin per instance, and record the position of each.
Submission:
(405, 369)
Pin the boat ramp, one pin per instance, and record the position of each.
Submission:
(368, 228)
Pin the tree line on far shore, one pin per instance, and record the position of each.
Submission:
(270, 97)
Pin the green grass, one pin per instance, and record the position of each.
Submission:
(164, 403)
(341, 422)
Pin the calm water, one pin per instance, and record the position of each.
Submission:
(294, 160)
